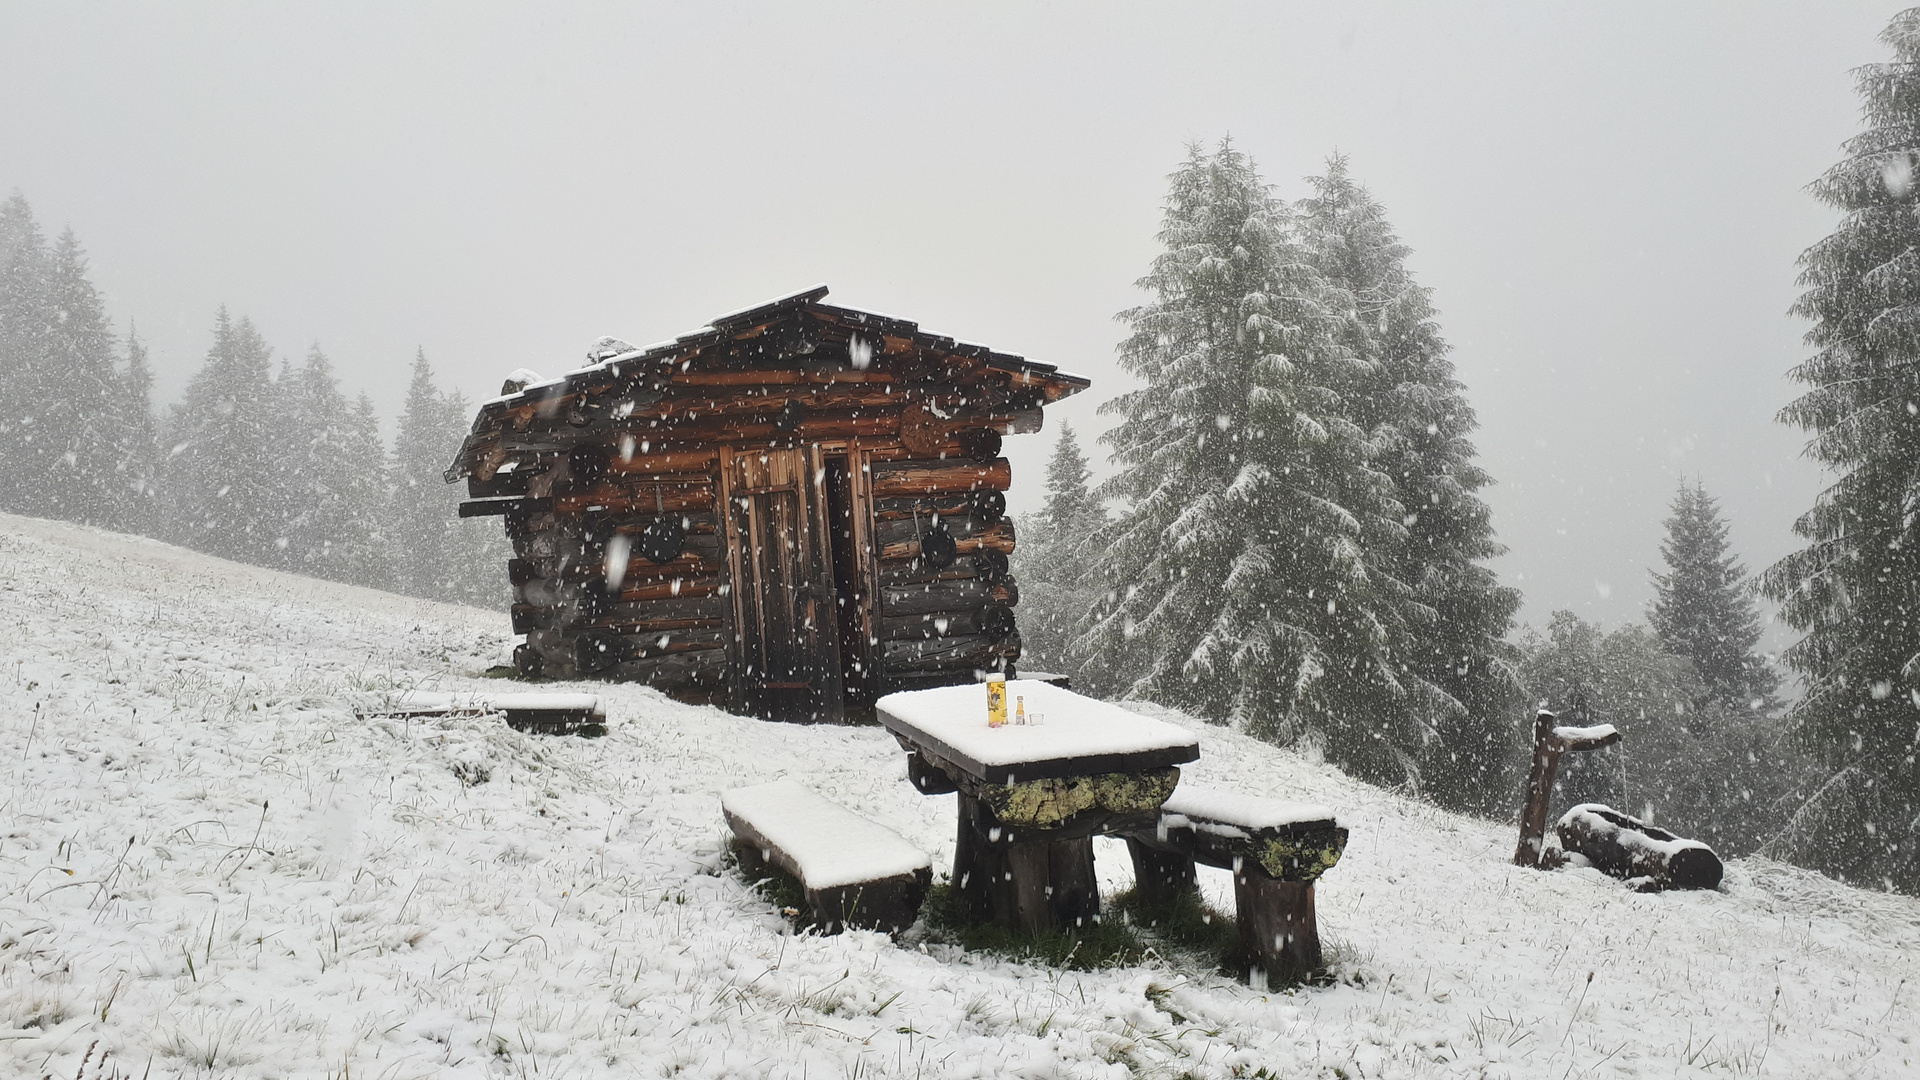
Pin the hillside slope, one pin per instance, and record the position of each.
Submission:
(210, 867)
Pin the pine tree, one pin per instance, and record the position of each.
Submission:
(333, 475)
(26, 325)
(437, 554)
(1854, 590)
(137, 446)
(223, 480)
(1703, 606)
(72, 468)
(1448, 634)
(1241, 580)
(1056, 590)
(419, 522)
(362, 553)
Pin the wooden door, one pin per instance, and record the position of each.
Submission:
(789, 640)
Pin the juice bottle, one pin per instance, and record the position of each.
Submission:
(996, 701)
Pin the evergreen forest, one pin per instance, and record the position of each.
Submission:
(273, 465)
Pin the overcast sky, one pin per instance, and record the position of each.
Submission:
(1606, 199)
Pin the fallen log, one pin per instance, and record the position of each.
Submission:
(1629, 848)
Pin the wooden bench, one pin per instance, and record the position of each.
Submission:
(1276, 850)
(854, 872)
(540, 714)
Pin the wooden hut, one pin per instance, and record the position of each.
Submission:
(788, 512)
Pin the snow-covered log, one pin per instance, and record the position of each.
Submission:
(1626, 847)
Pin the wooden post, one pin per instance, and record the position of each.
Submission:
(1160, 878)
(1277, 926)
(1549, 742)
(1020, 879)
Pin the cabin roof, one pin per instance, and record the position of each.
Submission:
(614, 360)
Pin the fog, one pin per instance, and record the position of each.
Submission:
(1607, 200)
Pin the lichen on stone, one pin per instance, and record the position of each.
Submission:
(1045, 804)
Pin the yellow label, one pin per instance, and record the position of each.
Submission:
(997, 703)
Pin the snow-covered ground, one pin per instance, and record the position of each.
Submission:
(209, 866)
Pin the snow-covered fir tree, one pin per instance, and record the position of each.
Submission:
(137, 441)
(1051, 562)
(1854, 590)
(1243, 578)
(26, 325)
(222, 482)
(73, 469)
(1449, 630)
(436, 554)
(1703, 606)
(419, 524)
(335, 475)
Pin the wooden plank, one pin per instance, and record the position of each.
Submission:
(996, 537)
(932, 477)
(673, 587)
(638, 499)
(676, 463)
(890, 534)
(964, 594)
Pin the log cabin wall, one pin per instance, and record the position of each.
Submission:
(788, 513)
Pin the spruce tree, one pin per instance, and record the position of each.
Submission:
(1241, 580)
(1056, 590)
(137, 446)
(1854, 590)
(222, 483)
(72, 469)
(1703, 607)
(419, 525)
(26, 325)
(1449, 628)
(334, 477)
(361, 552)
(436, 554)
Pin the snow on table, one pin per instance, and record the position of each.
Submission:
(828, 844)
(1216, 811)
(1080, 736)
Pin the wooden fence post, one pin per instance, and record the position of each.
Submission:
(1549, 742)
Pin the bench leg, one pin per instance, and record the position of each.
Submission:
(1160, 878)
(891, 905)
(1035, 887)
(1277, 927)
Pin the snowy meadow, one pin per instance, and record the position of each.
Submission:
(209, 866)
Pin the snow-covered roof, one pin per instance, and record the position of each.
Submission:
(840, 323)
(1078, 736)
